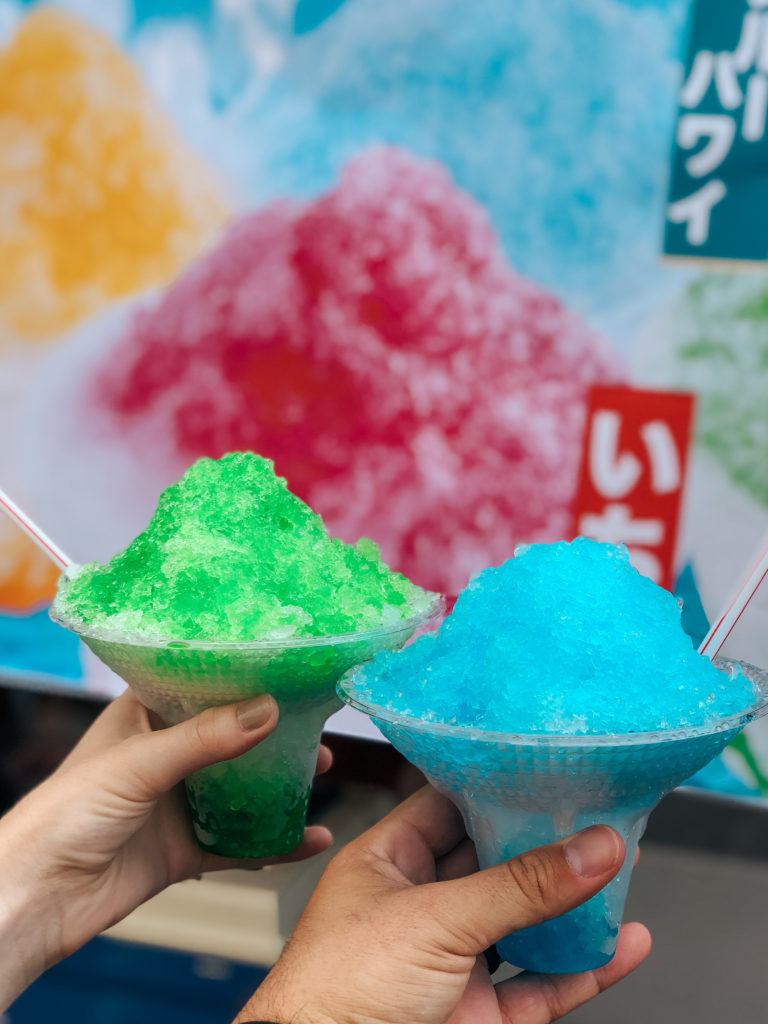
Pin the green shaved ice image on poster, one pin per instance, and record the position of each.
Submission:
(720, 348)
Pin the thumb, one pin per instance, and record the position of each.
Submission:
(478, 910)
(157, 761)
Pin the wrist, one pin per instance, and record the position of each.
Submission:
(27, 921)
(258, 1013)
(272, 1008)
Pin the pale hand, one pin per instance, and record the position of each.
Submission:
(110, 828)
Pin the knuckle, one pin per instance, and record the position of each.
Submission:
(130, 748)
(534, 877)
(129, 756)
(207, 730)
(557, 1004)
(341, 863)
(447, 932)
(423, 902)
(411, 908)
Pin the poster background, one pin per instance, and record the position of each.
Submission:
(199, 212)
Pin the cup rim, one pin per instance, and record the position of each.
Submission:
(430, 616)
(759, 677)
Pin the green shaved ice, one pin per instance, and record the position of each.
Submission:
(232, 555)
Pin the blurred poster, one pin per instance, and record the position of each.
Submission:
(395, 247)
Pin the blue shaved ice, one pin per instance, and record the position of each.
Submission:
(563, 638)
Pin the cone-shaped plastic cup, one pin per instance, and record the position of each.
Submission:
(256, 804)
(517, 792)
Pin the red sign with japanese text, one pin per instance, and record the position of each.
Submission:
(632, 476)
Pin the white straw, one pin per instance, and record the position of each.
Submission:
(33, 531)
(723, 628)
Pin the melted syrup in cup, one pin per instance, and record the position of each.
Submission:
(520, 791)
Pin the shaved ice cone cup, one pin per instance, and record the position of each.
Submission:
(254, 805)
(517, 792)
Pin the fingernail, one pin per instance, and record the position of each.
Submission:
(593, 852)
(253, 714)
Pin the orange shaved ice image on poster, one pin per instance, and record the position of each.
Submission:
(27, 577)
(100, 198)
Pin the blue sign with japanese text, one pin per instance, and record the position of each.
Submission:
(719, 184)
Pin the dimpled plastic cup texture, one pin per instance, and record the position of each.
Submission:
(571, 754)
(254, 805)
(236, 590)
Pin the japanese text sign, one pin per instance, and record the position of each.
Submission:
(632, 475)
(719, 182)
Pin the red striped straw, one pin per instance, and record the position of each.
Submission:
(33, 531)
(725, 625)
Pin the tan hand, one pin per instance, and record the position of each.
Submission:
(395, 930)
(110, 828)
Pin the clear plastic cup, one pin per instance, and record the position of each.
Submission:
(256, 804)
(517, 792)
